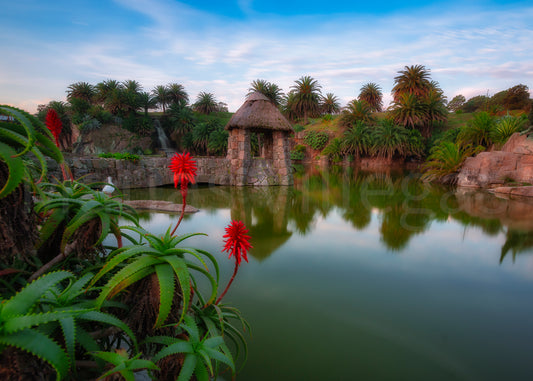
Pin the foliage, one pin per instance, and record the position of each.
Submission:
(413, 80)
(306, 97)
(446, 158)
(478, 131)
(477, 103)
(371, 93)
(89, 124)
(317, 140)
(334, 150)
(330, 104)
(120, 156)
(507, 126)
(298, 128)
(456, 103)
(269, 90)
(357, 140)
(205, 103)
(199, 352)
(123, 364)
(20, 138)
(392, 140)
(62, 316)
(356, 111)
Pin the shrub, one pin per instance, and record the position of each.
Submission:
(89, 124)
(316, 140)
(334, 150)
(298, 128)
(505, 127)
(446, 158)
(120, 156)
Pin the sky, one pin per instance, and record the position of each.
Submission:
(470, 47)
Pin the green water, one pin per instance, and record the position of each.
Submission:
(361, 276)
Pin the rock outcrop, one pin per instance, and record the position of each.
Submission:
(514, 163)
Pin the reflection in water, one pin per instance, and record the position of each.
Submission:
(441, 308)
(403, 205)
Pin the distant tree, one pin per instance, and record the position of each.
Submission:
(456, 103)
(407, 111)
(517, 98)
(357, 111)
(111, 96)
(222, 107)
(160, 93)
(131, 89)
(413, 80)
(132, 86)
(306, 97)
(371, 94)
(177, 94)
(81, 90)
(330, 104)
(147, 102)
(288, 106)
(268, 89)
(205, 104)
(477, 103)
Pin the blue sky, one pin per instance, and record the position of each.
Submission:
(471, 47)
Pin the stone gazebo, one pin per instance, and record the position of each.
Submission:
(273, 167)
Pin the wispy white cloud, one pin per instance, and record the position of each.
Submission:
(472, 51)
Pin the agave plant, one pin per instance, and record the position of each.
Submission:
(199, 351)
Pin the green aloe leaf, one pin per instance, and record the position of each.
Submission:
(22, 302)
(184, 279)
(41, 346)
(165, 277)
(15, 167)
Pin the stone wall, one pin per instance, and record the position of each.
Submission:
(491, 169)
(153, 171)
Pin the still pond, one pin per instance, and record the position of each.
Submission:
(372, 276)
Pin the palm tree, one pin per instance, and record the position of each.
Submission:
(147, 102)
(177, 94)
(435, 110)
(371, 94)
(205, 103)
(330, 104)
(407, 111)
(287, 106)
(478, 131)
(160, 93)
(356, 140)
(357, 111)
(81, 90)
(132, 90)
(268, 89)
(307, 97)
(412, 80)
(105, 88)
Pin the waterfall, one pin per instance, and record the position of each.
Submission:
(163, 140)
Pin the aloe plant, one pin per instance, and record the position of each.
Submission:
(17, 139)
(166, 260)
(76, 204)
(74, 296)
(199, 351)
(123, 364)
(20, 320)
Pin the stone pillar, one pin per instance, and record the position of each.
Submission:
(281, 157)
(239, 155)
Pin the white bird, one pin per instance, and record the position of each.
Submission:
(108, 188)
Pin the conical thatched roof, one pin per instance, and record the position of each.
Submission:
(258, 113)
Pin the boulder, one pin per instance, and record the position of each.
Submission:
(514, 163)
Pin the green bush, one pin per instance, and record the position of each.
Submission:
(120, 156)
(298, 128)
(316, 140)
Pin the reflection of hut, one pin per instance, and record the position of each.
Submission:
(259, 115)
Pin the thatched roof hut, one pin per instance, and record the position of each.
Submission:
(258, 113)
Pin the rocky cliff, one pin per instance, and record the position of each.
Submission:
(513, 164)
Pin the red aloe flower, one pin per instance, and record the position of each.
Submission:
(54, 124)
(184, 169)
(237, 243)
